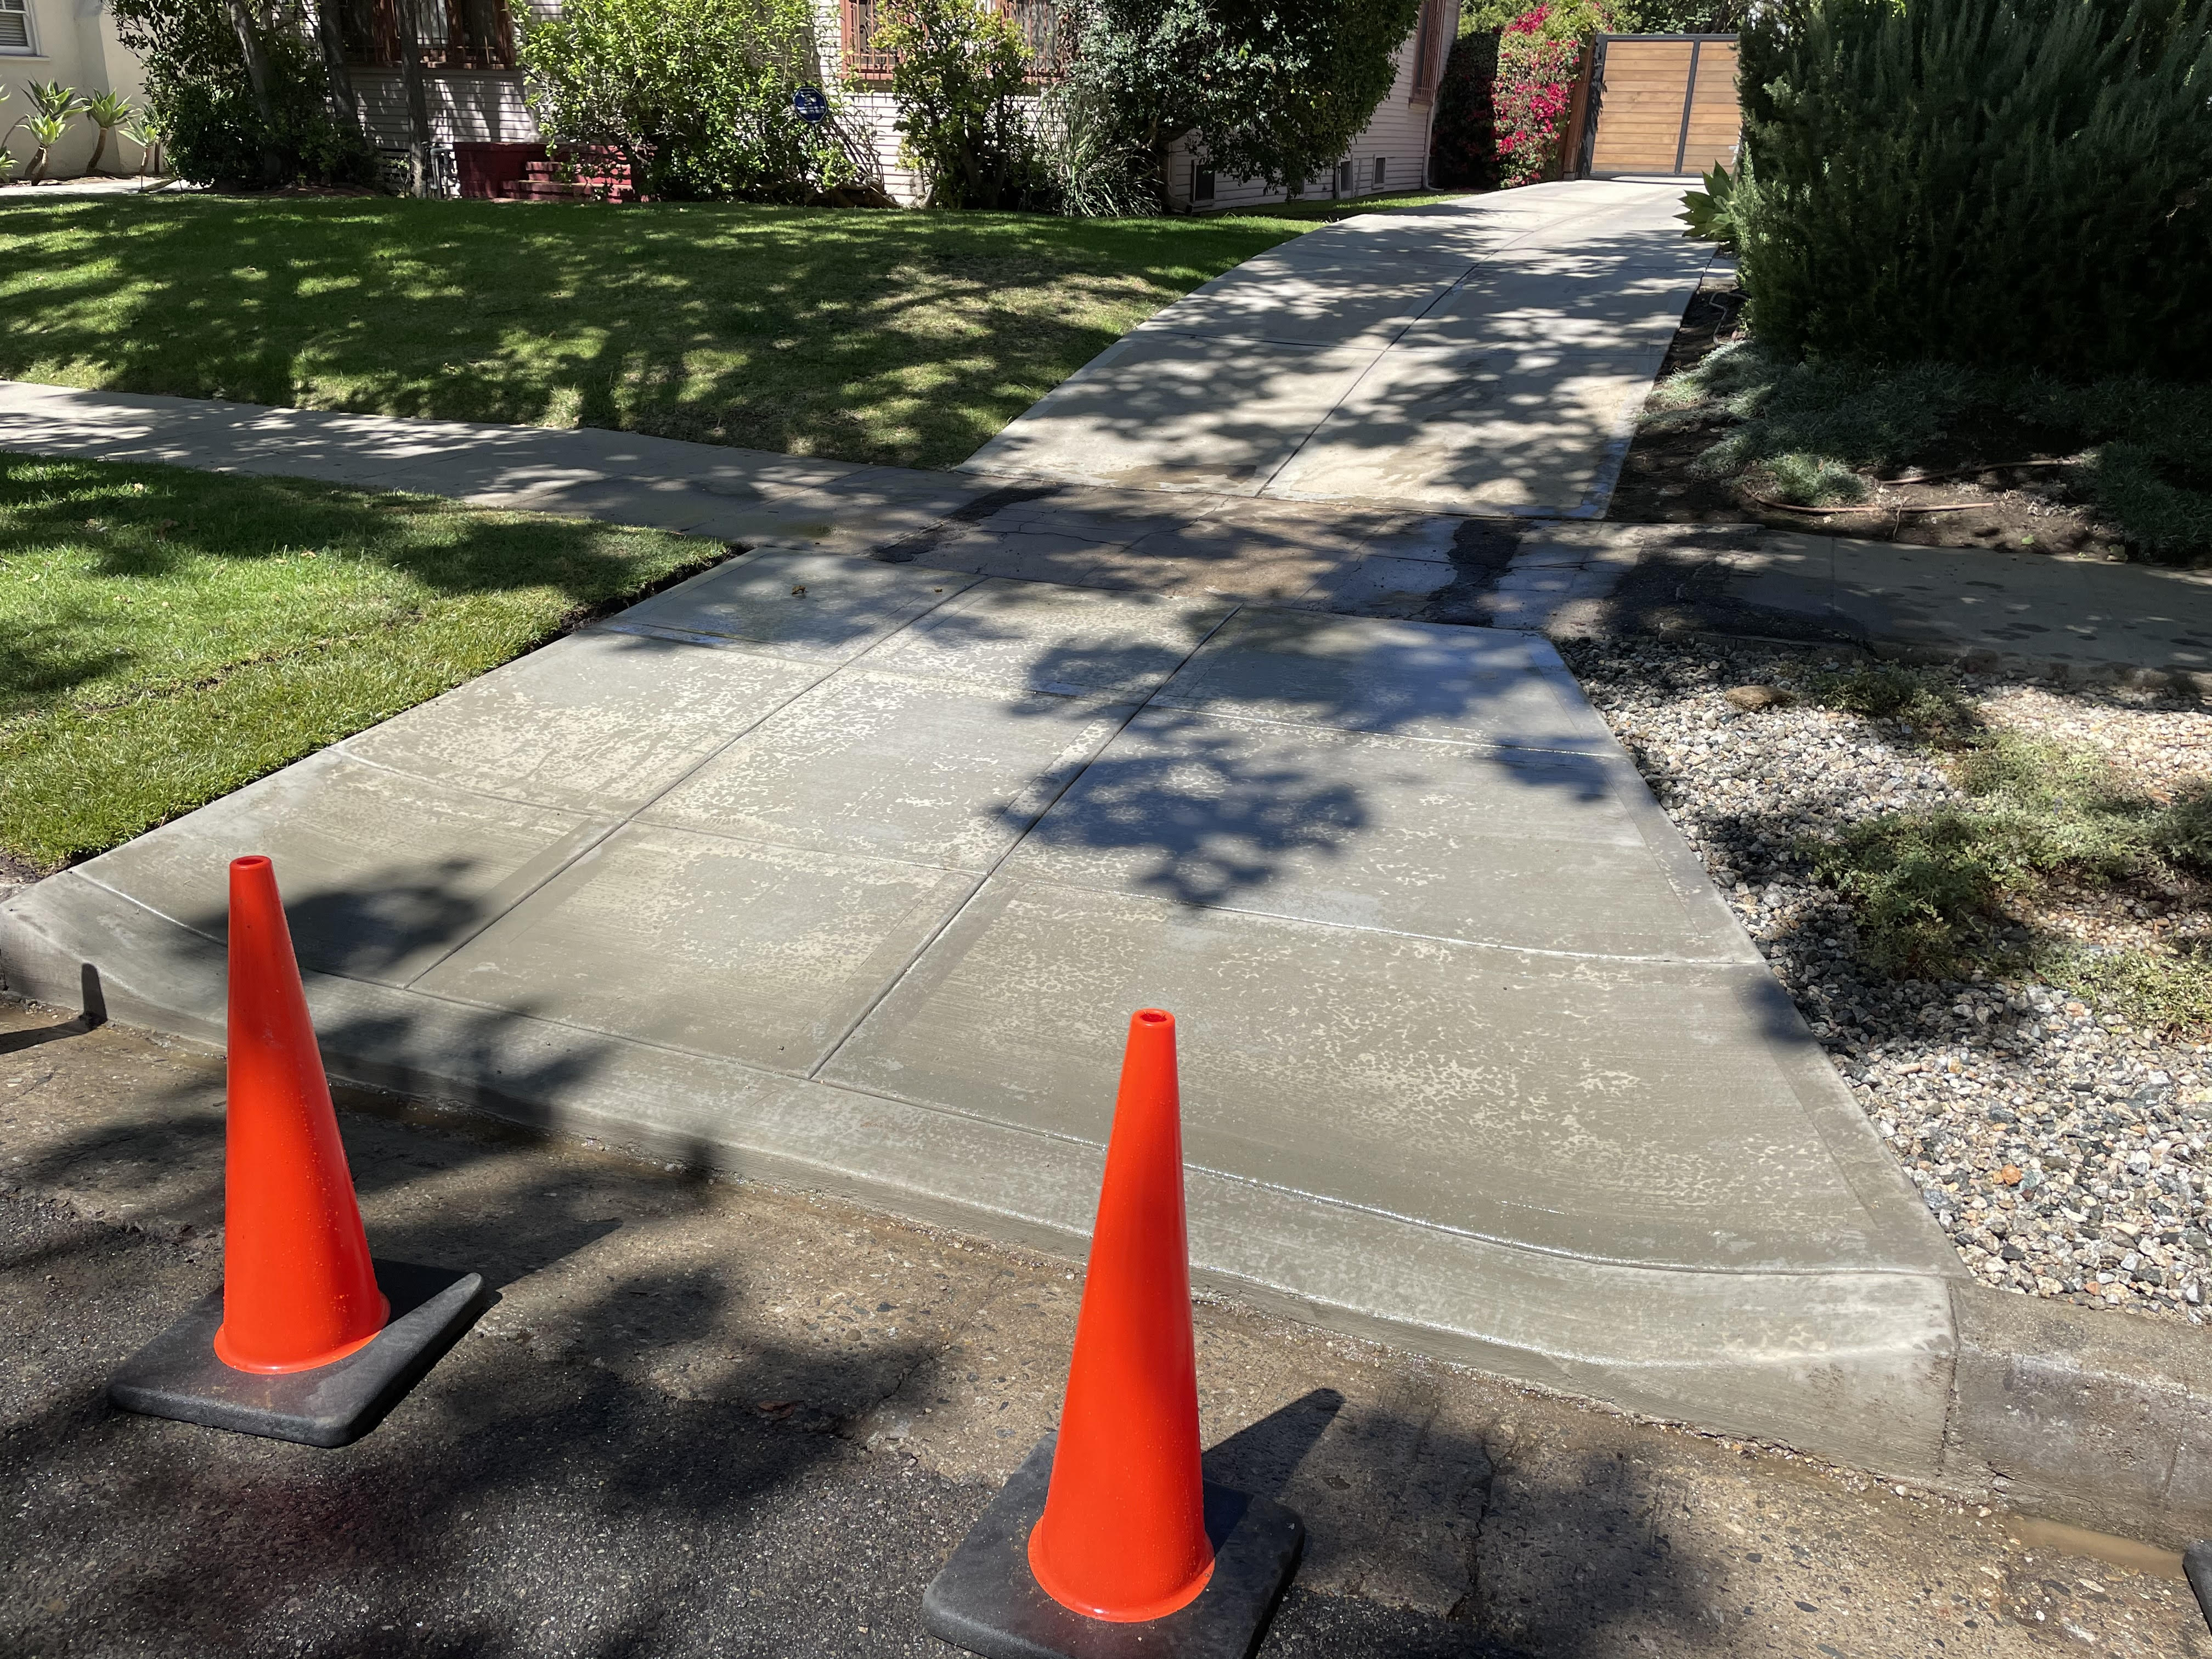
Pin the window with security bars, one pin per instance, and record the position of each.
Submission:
(15, 28)
(1038, 19)
(476, 34)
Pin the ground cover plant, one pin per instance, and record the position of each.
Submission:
(167, 635)
(1940, 891)
(2123, 461)
(906, 338)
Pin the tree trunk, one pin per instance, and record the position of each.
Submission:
(257, 76)
(338, 79)
(418, 101)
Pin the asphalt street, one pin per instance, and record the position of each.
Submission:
(716, 1416)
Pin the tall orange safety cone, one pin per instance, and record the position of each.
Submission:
(1109, 1535)
(298, 1291)
(308, 1340)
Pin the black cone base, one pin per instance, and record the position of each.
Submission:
(988, 1602)
(177, 1374)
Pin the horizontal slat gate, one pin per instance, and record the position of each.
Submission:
(1665, 104)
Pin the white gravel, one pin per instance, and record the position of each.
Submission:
(2059, 1147)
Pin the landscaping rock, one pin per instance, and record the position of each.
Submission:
(2059, 1146)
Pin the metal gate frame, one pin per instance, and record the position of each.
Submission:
(1587, 146)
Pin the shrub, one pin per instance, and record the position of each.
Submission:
(695, 94)
(1999, 182)
(961, 69)
(1539, 57)
(212, 126)
(1463, 143)
(1273, 92)
(1092, 168)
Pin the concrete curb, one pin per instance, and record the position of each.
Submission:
(2097, 1419)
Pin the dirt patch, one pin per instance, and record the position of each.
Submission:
(1991, 480)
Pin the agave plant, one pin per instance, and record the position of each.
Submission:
(146, 133)
(54, 101)
(45, 132)
(109, 111)
(1709, 215)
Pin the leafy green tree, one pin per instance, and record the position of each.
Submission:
(961, 70)
(1268, 89)
(695, 94)
(233, 115)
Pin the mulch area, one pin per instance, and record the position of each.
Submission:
(2019, 507)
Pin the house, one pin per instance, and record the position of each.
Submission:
(71, 41)
(485, 136)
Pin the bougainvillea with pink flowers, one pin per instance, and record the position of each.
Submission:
(1539, 56)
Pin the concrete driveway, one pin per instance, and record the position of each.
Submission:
(1483, 356)
(849, 873)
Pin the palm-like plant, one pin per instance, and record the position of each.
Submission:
(146, 133)
(45, 132)
(107, 112)
(54, 101)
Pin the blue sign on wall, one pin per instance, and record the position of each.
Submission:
(810, 104)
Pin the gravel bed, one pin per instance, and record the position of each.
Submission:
(2059, 1147)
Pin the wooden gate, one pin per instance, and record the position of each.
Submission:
(1660, 103)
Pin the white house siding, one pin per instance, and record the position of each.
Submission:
(72, 41)
(467, 106)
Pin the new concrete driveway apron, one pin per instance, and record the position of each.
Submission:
(1484, 356)
(849, 874)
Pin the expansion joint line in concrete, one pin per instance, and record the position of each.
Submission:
(962, 908)
(1616, 452)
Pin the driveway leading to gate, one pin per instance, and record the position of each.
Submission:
(1483, 356)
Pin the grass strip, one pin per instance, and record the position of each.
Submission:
(167, 636)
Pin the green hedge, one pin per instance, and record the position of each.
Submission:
(1995, 182)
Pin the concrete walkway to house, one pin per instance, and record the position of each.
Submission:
(1485, 355)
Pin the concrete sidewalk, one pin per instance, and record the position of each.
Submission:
(1480, 357)
(849, 873)
(2071, 616)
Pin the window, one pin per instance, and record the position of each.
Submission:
(1201, 183)
(1381, 171)
(476, 35)
(1428, 52)
(16, 36)
(1344, 178)
(1038, 19)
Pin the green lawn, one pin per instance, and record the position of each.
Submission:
(901, 338)
(167, 636)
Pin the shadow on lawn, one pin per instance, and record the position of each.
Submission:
(906, 338)
(191, 573)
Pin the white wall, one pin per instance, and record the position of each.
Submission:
(72, 41)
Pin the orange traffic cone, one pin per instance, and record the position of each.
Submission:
(300, 1343)
(1109, 1524)
(1123, 1535)
(298, 1291)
